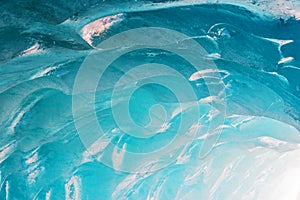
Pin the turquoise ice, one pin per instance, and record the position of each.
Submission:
(251, 124)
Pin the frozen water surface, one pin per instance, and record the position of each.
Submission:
(150, 99)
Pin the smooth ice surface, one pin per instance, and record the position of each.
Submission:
(255, 48)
